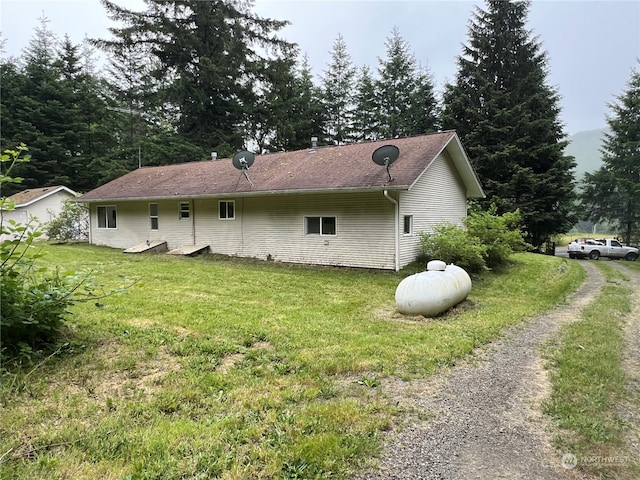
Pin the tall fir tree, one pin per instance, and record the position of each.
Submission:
(366, 117)
(423, 113)
(508, 120)
(54, 109)
(303, 117)
(210, 56)
(396, 87)
(338, 91)
(612, 193)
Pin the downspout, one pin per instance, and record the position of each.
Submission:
(396, 215)
(193, 221)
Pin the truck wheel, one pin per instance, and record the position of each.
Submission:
(571, 255)
(631, 257)
(594, 255)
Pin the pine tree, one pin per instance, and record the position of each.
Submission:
(613, 192)
(366, 123)
(423, 113)
(210, 57)
(302, 117)
(396, 88)
(338, 83)
(508, 120)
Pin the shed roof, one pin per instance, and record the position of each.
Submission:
(32, 195)
(338, 168)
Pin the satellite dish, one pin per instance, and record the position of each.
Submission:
(243, 160)
(385, 156)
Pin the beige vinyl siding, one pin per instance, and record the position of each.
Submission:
(273, 228)
(133, 225)
(437, 197)
(223, 236)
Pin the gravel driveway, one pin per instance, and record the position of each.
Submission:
(482, 419)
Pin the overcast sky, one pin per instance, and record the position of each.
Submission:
(592, 45)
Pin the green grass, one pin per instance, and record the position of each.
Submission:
(588, 383)
(218, 367)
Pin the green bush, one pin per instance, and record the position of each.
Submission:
(486, 241)
(72, 223)
(452, 244)
(34, 301)
(500, 234)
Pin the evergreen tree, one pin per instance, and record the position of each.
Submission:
(423, 113)
(54, 106)
(338, 83)
(366, 122)
(210, 57)
(613, 192)
(302, 117)
(396, 88)
(508, 120)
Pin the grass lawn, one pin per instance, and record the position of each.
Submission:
(589, 383)
(216, 367)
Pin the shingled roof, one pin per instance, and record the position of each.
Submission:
(27, 197)
(339, 168)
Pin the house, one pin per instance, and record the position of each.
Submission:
(328, 205)
(42, 203)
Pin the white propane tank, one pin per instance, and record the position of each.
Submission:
(434, 291)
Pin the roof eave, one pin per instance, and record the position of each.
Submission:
(309, 191)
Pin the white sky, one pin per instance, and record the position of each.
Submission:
(592, 45)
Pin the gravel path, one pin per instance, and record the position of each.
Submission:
(485, 420)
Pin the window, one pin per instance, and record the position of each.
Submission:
(320, 225)
(107, 217)
(408, 224)
(153, 215)
(185, 210)
(227, 209)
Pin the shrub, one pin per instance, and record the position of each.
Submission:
(35, 301)
(486, 241)
(500, 234)
(452, 244)
(72, 223)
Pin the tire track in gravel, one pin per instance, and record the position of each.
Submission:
(487, 424)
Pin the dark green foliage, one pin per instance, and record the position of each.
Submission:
(508, 120)
(404, 94)
(52, 101)
(366, 123)
(486, 242)
(207, 74)
(300, 115)
(613, 192)
(337, 95)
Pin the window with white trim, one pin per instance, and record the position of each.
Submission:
(153, 216)
(227, 209)
(320, 225)
(185, 210)
(408, 225)
(107, 217)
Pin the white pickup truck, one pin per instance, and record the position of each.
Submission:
(606, 247)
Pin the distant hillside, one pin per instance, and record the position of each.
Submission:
(585, 147)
